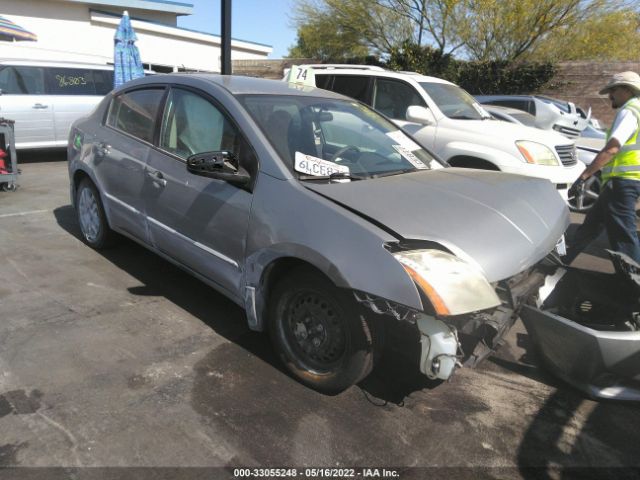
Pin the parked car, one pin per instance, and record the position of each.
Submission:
(447, 120)
(511, 115)
(315, 214)
(549, 113)
(45, 98)
(586, 149)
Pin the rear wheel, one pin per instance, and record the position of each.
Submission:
(91, 217)
(319, 332)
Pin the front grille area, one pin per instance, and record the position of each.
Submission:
(566, 131)
(567, 154)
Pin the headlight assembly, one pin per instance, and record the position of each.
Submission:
(536, 153)
(452, 285)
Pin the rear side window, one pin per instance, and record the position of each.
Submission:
(103, 80)
(78, 81)
(22, 80)
(135, 112)
(354, 86)
(323, 81)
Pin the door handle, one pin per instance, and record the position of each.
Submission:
(157, 177)
(40, 106)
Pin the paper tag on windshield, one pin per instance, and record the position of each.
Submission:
(316, 166)
(404, 141)
(415, 161)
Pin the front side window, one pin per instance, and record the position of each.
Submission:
(191, 124)
(22, 80)
(392, 98)
(454, 102)
(135, 112)
(344, 135)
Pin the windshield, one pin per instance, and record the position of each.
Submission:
(321, 137)
(454, 102)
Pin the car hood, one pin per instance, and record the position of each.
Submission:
(502, 222)
(512, 131)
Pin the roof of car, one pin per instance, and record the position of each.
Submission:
(346, 69)
(240, 85)
(54, 63)
(507, 110)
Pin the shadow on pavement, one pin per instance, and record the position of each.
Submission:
(44, 155)
(563, 434)
(396, 377)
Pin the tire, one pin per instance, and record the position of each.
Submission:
(582, 203)
(319, 332)
(91, 217)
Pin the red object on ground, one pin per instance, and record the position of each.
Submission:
(3, 166)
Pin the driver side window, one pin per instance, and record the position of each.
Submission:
(191, 124)
(392, 98)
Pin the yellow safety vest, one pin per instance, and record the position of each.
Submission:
(626, 163)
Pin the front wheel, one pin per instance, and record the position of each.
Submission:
(319, 332)
(91, 217)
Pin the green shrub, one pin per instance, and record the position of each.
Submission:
(490, 77)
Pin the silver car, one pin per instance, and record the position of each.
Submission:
(315, 214)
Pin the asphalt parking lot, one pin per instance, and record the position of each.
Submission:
(119, 359)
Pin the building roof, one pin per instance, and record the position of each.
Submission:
(166, 6)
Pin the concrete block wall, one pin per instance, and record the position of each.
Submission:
(273, 69)
(579, 82)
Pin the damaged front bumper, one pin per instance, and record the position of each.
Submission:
(448, 342)
(586, 329)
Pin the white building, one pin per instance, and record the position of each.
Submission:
(83, 30)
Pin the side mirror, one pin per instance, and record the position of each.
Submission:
(219, 165)
(419, 114)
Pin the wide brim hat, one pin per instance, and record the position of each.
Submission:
(626, 79)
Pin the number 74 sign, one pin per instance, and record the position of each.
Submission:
(301, 75)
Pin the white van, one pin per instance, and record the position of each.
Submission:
(451, 123)
(45, 98)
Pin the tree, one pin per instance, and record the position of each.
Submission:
(480, 30)
(322, 41)
(352, 24)
(612, 36)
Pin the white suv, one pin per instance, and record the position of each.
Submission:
(451, 123)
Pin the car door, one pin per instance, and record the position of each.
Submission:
(198, 221)
(24, 99)
(74, 95)
(392, 98)
(120, 155)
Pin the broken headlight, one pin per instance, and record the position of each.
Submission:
(452, 285)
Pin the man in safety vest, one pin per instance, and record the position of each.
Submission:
(615, 209)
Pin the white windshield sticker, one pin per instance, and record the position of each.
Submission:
(316, 166)
(404, 141)
(415, 161)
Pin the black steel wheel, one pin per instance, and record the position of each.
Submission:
(319, 332)
(93, 222)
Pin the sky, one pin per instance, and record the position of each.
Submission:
(260, 21)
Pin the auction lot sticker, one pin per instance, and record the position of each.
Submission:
(316, 166)
(403, 140)
(415, 161)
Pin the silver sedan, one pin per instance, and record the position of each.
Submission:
(315, 214)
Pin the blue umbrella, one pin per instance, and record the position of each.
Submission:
(127, 64)
(11, 32)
